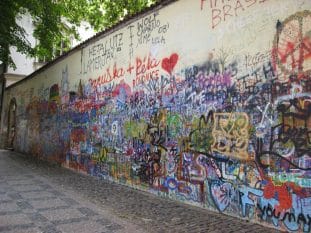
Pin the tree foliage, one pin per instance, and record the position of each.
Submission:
(112, 11)
(51, 19)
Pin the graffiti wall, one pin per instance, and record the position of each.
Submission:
(202, 101)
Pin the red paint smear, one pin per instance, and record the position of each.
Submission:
(95, 129)
(168, 64)
(78, 135)
(281, 193)
(123, 86)
(287, 52)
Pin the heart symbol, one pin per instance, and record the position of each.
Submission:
(168, 64)
(222, 194)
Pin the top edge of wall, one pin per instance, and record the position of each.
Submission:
(127, 20)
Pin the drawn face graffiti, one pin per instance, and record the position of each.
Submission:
(114, 128)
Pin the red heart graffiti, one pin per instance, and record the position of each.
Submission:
(168, 64)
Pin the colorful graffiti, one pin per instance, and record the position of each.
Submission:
(207, 133)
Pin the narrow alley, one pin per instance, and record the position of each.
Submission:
(36, 196)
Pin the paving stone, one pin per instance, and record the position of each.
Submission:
(22, 182)
(37, 194)
(16, 178)
(10, 212)
(28, 211)
(69, 201)
(5, 198)
(16, 228)
(45, 186)
(15, 196)
(27, 229)
(42, 198)
(82, 227)
(104, 222)
(42, 210)
(16, 219)
(37, 217)
(11, 206)
(28, 188)
(6, 201)
(49, 229)
(114, 227)
(38, 204)
(24, 205)
(5, 187)
(70, 220)
(56, 193)
(62, 214)
(87, 211)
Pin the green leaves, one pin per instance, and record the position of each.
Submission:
(10, 32)
(105, 13)
(56, 21)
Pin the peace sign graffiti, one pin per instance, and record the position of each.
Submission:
(291, 53)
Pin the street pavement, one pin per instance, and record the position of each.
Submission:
(36, 196)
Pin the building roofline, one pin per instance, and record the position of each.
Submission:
(127, 20)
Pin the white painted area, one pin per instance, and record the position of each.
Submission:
(85, 31)
(25, 65)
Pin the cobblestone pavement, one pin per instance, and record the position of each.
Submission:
(29, 202)
(38, 197)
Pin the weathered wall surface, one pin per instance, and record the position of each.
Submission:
(203, 101)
